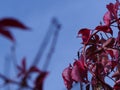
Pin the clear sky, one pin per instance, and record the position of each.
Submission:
(37, 14)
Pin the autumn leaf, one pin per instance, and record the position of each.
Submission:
(99, 55)
(6, 34)
(11, 22)
(22, 68)
(85, 34)
(66, 74)
(116, 86)
(107, 18)
(109, 42)
(105, 29)
(113, 9)
(7, 23)
(34, 69)
(40, 80)
(78, 67)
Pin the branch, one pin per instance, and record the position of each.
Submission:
(52, 47)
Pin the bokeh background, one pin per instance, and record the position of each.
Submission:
(37, 14)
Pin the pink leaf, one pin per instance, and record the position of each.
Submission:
(107, 18)
(66, 74)
(76, 75)
(78, 67)
(113, 9)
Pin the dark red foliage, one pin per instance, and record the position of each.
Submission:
(6, 23)
(73, 73)
(40, 80)
(107, 18)
(118, 38)
(11, 22)
(116, 86)
(22, 68)
(25, 74)
(85, 34)
(78, 67)
(109, 43)
(113, 9)
(100, 56)
(112, 52)
(105, 29)
(6, 34)
(67, 77)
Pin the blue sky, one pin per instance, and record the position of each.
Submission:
(37, 15)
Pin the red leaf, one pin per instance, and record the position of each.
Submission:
(112, 52)
(76, 75)
(6, 34)
(116, 86)
(11, 22)
(114, 64)
(116, 74)
(105, 29)
(113, 9)
(107, 18)
(111, 64)
(90, 54)
(94, 40)
(34, 69)
(78, 67)
(22, 68)
(99, 69)
(66, 74)
(109, 42)
(85, 34)
(40, 80)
